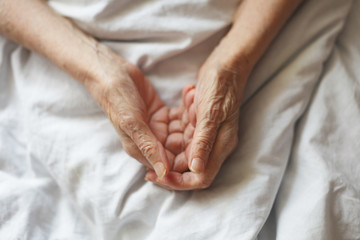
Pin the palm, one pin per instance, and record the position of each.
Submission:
(171, 127)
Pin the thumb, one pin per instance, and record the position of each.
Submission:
(148, 144)
(202, 143)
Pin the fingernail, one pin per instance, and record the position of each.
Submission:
(160, 169)
(197, 165)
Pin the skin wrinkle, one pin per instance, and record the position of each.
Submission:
(185, 120)
(129, 99)
(219, 89)
(147, 147)
(151, 114)
(175, 127)
(159, 124)
(188, 134)
(135, 130)
(222, 101)
(176, 139)
(108, 77)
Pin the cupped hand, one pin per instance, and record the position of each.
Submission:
(214, 112)
(198, 135)
(136, 111)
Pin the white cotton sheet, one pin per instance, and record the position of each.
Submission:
(64, 174)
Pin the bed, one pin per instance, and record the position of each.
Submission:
(294, 175)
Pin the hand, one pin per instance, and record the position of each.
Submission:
(128, 98)
(136, 111)
(144, 123)
(215, 112)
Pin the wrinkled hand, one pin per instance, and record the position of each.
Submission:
(215, 112)
(136, 111)
(150, 132)
(198, 135)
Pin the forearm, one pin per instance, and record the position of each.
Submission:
(33, 24)
(255, 25)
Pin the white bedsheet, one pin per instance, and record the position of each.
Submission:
(294, 175)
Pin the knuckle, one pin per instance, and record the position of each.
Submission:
(132, 125)
(135, 128)
(229, 105)
(213, 113)
(222, 98)
(147, 148)
(208, 125)
(128, 122)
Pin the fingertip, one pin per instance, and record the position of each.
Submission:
(186, 89)
(163, 166)
(174, 113)
(180, 163)
(175, 143)
(189, 98)
(171, 158)
(160, 169)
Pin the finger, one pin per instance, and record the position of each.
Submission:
(175, 126)
(148, 144)
(178, 181)
(151, 177)
(180, 163)
(159, 124)
(184, 118)
(188, 102)
(160, 130)
(171, 158)
(175, 113)
(224, 146)
(202, 143)
(185, 91)
(192, 115)
(133, 151)
(189, 98)
(175, 143)
(188, 134)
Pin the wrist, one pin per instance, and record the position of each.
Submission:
(98, 66)
(226, 56)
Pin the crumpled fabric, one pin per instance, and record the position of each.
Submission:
(294, 175)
